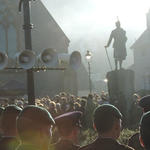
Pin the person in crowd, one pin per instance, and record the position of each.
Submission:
(56, 98)
(107, 122)
(68, 125)
(135, 110)
(103, 99)
(71, 106)
(145, 131)
(58, 108)
(89, 111)
(83, 103)
(20, 103)
(34, 128)
(77, 106)
(63, 104)
(144, 103)
(9, 140)
(83, 110)
(52, 109)
(63, 94)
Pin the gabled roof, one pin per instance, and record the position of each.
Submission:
(44, 11)
(142, 41)
(46, 32)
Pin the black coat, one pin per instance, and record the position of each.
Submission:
(105, 144)
(9, 143)
(64, 145)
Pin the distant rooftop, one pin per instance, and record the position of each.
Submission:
(144, 39)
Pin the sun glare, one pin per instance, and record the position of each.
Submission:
(129, 12)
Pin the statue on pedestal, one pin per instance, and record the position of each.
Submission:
(119, 45)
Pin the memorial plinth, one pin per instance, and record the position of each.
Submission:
(121, 88)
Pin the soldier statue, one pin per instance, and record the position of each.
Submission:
(119, 45)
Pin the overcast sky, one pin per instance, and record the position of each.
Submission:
(88, 23)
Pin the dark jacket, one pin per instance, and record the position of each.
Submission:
(8, 143)
(27, 147)
(64, 145)
(134, 142)
(105, 144)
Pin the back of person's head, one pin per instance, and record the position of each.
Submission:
(58, 106)
(145, 130)
(144, 103)
(83, 102)
(67, 122)
(31, 120)
(63, 94)
(8, 119)
(52, 105)
(105, 116)
(90, 96)
(77, 106)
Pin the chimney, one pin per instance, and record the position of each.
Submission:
(148, 20)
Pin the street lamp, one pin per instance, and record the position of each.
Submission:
(88, 57)
(106, 81)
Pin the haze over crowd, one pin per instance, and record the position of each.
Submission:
(88, 24)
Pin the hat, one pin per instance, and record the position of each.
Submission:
(31, 120)
(145, 103)
(11, 110)
(69, 119)
(107, 110)
(35, 115)
(104, 117)
(8, 118)
(145, 120)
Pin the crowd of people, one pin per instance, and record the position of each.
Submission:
(55, 123)
(62, 103)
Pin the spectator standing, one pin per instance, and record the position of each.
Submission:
(144, 103)
(34, 126)
(9, 140)
(68, 126)
(145, 131)
(107, 122)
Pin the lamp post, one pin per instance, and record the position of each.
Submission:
(88, 57)
(28, 45)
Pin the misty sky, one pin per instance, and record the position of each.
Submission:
(88, 24)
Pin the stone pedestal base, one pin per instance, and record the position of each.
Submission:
(120, 89)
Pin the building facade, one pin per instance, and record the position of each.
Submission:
(141, 49)
(45, 34)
